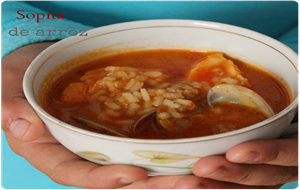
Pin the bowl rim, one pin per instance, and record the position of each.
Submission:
(67, 42)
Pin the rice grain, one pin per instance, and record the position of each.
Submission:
(145, 94)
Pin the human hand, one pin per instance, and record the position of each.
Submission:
(250, 165)
(183, 182)
(255, 164)
(28, 137)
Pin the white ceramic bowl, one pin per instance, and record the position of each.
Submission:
(161, 157)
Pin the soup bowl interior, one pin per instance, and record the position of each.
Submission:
(160, 157)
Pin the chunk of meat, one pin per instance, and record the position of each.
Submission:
(216, 69)
(75, 92)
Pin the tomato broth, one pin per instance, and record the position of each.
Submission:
(167, 88)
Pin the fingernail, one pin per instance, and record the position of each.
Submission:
(251, 157)
(126, 181)
(18, 127)
(220, 172)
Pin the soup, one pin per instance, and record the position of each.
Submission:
(160, 94)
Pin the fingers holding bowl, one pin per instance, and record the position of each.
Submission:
(18, 117)
(282, 152)
(218, 168)
(20, 120)
(66, 168)
(188, 182)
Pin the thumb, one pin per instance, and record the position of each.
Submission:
(20, 120)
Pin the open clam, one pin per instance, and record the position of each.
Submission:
(140, 121)
(228, 93)
(98, 126)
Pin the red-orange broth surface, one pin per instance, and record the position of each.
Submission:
(79, 94)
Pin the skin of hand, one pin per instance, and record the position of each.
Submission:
(260, 164)
(28, 137)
